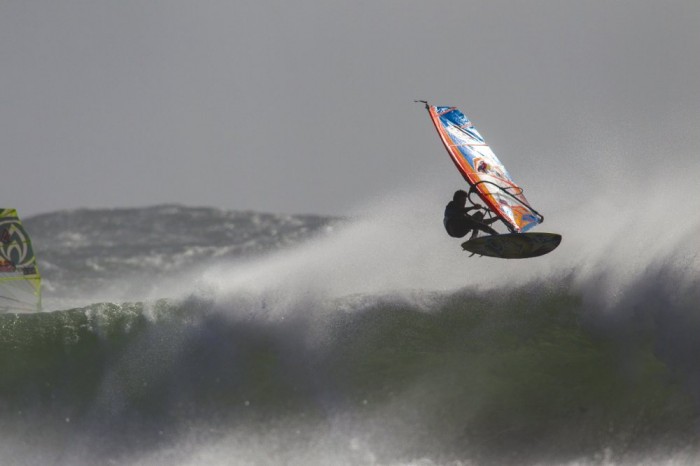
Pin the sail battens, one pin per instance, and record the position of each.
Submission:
(481, 168)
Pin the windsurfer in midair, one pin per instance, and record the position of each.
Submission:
(459, 222)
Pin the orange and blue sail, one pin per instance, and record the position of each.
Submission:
(482, 170)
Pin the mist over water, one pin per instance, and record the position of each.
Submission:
(378, 341)
(612, 238)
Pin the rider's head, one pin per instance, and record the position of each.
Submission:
(460, 196)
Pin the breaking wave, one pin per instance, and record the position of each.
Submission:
(378, 343)
(536, 374)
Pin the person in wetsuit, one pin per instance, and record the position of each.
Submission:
(459, 222)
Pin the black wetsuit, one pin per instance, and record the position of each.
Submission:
(458, 222)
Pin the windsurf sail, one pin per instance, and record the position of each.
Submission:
(20, 282)
(482, 170)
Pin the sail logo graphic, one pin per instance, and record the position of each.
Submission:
(20, 282)
(14, 245)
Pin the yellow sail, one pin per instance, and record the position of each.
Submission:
(20, 281)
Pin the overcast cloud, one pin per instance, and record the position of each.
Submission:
(306, 106)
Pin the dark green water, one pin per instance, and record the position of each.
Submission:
(539, 374)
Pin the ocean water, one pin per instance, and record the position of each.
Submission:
(193, 336)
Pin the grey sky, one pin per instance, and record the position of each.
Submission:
(306, 106)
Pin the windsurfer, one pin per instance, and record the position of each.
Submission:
(459, 222)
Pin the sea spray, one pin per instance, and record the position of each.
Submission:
(376, 341)
(518, 378)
